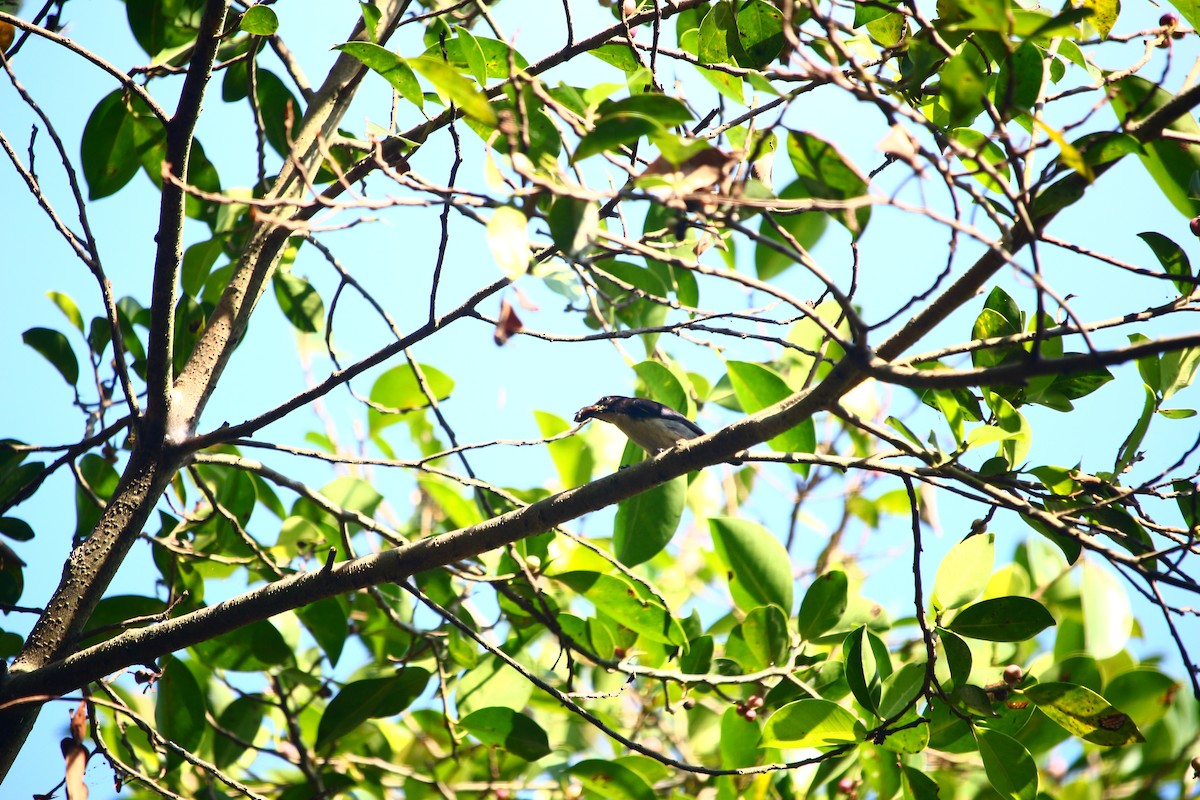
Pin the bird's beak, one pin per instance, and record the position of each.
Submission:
(586, 413)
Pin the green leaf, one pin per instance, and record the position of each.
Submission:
(760, 571)
(369, 698)
(739, 744)
(666, 386)
(198, 261)
(281, 111)
(1084, 713)
(573, 224)
(67, 306)
(459, 512)
(370, 17)
(646, 522)
(1108, 620)
(398, 391)
(612, 132)
(455, 88)
(610, 780)
(761, 641)
(1104, 15)
(162, 26)
(963, 89)
(760, 33)
(242, 718)
(472, 55)
(112, 613)
(630, 603)
(617, 55)
(1187, 498)
(572, 456)
(758, 387)
(1172, 257)
(299, 302)
(901, 689)
(1016, 446)
(1130, 447)
(1002, 619)
(984, 151)
(478, 56)
(251, 648)
(118, 132)
(259, 20)
(812, 723)
(828, 175)
(1019, 82)
(916, 785)
(1146, 695)
(867, 666)
(508, 240)
(964, 572)
(492, 684)
(805, 227)
(718, 41)
(12, 577)
(955, 657)
(1170, 162)
(328, 622)
(823, 605)
(55, 348)
(508, 730)
(179, 708)
(391, 67)
(18, 530)
(1178, 368)
(1009, 767)
(888, 29)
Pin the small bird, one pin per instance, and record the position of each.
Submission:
(648, 424)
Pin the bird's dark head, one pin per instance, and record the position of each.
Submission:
(597, 410)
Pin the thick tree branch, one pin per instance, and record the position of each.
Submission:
(396, 565)
(180, 131)
(264, 244)
(1019, 372)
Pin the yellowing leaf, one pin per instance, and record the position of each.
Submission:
(509, 241)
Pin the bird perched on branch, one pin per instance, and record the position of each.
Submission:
(648, 424)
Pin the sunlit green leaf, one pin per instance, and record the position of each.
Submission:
(259, 20)
(1084, 713)
(812, 723)
(1170, 162)
(1002, 619)
(391, 67)
(964, 571)
(1009, 767)
(509, 730)
(760, 570)
(823, 605)
(365, 699)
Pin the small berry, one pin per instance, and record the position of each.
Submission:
(1012, 675)
(1194, 224)
(750, 714)
(1168, 20)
